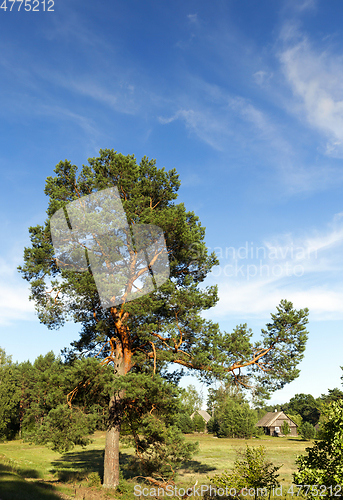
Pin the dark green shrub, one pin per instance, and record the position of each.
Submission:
(161, 449)
(307, 431)
(211, 426)
(233, 419)
(251, 470)
(184, 423)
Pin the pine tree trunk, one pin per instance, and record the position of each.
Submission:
(111, 461)
(122, 366)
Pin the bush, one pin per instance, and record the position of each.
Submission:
(63, 428)
(323, 464)
(250, 471)
(285, 429)
(307, 431)
(184, 423)
(211, 426)
(233, 419)
(94, 479)
(161, 449)
(199, 423)
(258, 431)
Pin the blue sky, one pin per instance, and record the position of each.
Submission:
(243, 98)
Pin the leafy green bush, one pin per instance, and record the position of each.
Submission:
(94, 479)
(64, 428)
(307, 431)
(251, 470)
(161, 449)
(233, 419)
(211, 426)
(285, 429)
(322, 467)
(257, 431)
(199, 423)
(184, 423)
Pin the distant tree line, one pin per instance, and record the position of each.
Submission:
(62, 404)
(50, 398)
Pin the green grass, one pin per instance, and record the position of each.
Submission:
(216, 455)
(35, 472)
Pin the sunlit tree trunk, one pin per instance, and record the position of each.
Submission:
(111, 461)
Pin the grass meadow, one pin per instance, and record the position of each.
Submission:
(31, 472)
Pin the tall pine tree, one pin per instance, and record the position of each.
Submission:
(164, 326)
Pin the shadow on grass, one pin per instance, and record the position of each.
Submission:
(13, 487)
(29, 473)
(195, 466)
(300, 440)
(76, 466)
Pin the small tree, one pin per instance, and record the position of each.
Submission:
(199, 423)
(184, 423)
(233, 419)
(285, 429)
(323, 464)
(251, 470)
(307, 431)
(161, 449)
(191, 400)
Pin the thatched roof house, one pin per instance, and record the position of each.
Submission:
(272, 422)
(203, 414)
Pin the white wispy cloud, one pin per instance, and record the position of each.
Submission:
(308, 270)
(222, 119)
(262, 77)
(193, 18)
(258, 299)
(302, 5)
(208, 126)
(14, 294)
(121, 97)
(62, 113)
(316, 79)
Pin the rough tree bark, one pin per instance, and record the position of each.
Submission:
(111, 461)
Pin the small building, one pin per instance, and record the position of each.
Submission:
(272, 423)
(203, 413)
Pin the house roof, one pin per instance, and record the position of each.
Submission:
(270, 418)
(203, 414)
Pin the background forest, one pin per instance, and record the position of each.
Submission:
(49, 401)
